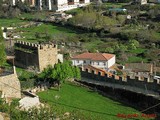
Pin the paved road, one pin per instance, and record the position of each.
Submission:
(129, 88)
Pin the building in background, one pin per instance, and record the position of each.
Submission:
(99, 60)
(60, 5)
(53, 5)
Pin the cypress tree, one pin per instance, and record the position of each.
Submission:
(2, 50)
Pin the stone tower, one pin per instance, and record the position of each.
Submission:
(47, 55)
(35, 56)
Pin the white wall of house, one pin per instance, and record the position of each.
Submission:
(98, 64)
(49, 4)
(81, 62)
(76, 2)
(62, 5)
(111, 61)
(61, 2)
(87, 1)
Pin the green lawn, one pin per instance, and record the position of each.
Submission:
(90, 104)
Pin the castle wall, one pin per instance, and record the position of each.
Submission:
(26, 59)
(10, 86)
(37, 56)
(26, 55)
(136, 82)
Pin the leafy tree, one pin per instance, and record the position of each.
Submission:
(109, 50)
(133, 44)
(60, 72)
(77, 73)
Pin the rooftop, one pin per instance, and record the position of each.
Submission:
(94, 56)
(140, 67)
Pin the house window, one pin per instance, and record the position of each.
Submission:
(84, 61)
(77, 61)
(104, 63)
(97, 63)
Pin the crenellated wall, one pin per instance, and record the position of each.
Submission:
(143, 83)
(10, 86)
(34, 55)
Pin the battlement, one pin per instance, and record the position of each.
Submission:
(150, 84)
(35, 45)
(35, 55)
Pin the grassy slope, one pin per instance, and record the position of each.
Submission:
(10, 22)
(52, 30)
(73, 97)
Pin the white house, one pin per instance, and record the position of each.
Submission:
(60, 5)
(55, 5)
(99, 60)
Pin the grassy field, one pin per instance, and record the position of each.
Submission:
(52, 30)
(40, 15)
(90, 104)
(114, 5)
(11, 22)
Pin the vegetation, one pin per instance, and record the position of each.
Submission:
(2, 50)
(14, 113)
(61, 72)
(45, 32)
(89, 104)
(119, 35)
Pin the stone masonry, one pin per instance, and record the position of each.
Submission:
(36, 56)
(10, 86)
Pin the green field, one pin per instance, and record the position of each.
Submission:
(55, 32)
(11, 22)
(85, 102)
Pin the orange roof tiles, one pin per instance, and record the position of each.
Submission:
(94, 56)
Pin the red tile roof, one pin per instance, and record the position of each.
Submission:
(94, 56)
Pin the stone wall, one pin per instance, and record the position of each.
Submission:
(138, 82)
(47, 55)
(10, 86)
(37, 56)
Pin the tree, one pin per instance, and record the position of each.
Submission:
(60, 72)
(77, 73)
(133, 44)
(2, 50)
